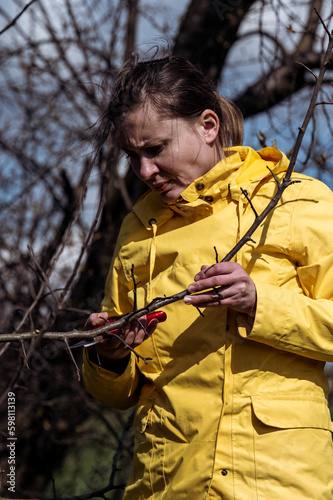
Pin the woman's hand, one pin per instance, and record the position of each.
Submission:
(236, 288)
(112, 349)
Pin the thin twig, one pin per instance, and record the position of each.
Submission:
(307, 69)
(245, 193)
(161, 302)
(135, 287)
(143, 328)
(72, 358)
(13, 22)
(45, 278)
(310, 110)
(216, 255)
(323, 103)
(322, 22)
(4, 348)
(115, 335)
(25, 357)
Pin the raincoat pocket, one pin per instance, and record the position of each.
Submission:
(292, 442)
(149, 451)
(290, 412)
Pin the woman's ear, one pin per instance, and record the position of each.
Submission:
(209, 124)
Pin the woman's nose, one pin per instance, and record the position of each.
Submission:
(147, 168)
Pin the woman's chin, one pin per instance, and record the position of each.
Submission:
(170, 196)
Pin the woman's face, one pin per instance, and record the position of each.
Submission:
(168, 154)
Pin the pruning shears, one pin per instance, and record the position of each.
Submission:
(160, 315)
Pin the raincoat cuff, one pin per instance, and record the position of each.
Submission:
(111, 389)
(270, 319)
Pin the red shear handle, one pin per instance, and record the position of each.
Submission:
(160, 315)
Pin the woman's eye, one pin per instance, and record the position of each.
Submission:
(149, 151)
(154, 150)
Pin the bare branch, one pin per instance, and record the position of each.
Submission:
(72, 358)
(161, 302)
(308, 69)
(323, 103)
(245, 193)
(13, 22)
(311, 108)
(135, 285)
(322, 22)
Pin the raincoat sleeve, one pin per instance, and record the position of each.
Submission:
(117, 391)
(302, 322)
(111, 389)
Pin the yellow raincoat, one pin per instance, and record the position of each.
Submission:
(223, 410)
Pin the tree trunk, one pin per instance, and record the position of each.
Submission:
(208, 31)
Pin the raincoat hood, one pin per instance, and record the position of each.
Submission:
(235, 177)
(242, 168)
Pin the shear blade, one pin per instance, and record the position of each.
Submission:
(87, 343)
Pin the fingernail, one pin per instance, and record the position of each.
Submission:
(197, 277)
(188, 300)
(191, 288)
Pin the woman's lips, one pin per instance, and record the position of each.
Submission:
(161, 186)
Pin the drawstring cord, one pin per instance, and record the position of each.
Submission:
(152, 257)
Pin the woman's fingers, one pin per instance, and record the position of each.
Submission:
(96, 319)
(131, 335)
(225, 283)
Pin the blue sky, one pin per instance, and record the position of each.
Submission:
(245, 64)
(164, 12)
(243, 59)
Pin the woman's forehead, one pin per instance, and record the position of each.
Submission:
(144, 125)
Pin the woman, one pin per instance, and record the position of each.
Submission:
(233, 404)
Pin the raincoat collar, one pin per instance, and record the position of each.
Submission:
(151, 210)
(242, 168)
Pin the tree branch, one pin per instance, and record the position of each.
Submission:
(13, 22)
(160, 302)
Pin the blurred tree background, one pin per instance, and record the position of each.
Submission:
(60, 215)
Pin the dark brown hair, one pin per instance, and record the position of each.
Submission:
(177, 89)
